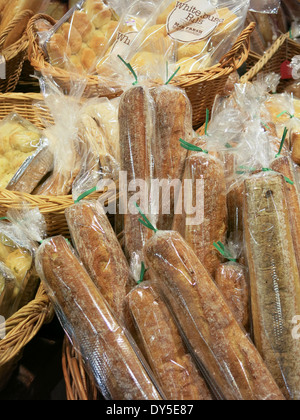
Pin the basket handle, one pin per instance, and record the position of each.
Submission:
(265, 58)
(25, 14)
(240, 49)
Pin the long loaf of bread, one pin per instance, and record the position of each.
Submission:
(274, 278)
(84, 314)
(234, 365)
(136, 125)
(285, 166)
(165, 350)
(202, 234)
(172, 123)
(100, 252)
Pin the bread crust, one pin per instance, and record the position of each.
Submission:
(172, 124)
(165, 350)
(102, 342)
(235, 367)
(274, 279)
(200, 166)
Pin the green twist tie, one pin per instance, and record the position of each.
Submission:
(288, 180)
(206, 121)
(128, 65)
(282, 142)
(173, 75)
(224, 251)
(285, 112)
(143, 272)
(192, 147)
(3, 218)
(82, 196)
(145, 221)
(266, 125)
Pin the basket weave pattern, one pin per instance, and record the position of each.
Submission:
(15, 54)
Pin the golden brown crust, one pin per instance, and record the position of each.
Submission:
(172, 124)
(201, 237)
(167, 355)
(84, 314)
(234, 365)
(100, 253)
(284, 166)
(231, 279)
(274, 279)
(295, 144)
(136, 119)
(32, 171)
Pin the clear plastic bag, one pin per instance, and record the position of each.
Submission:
(165, 350)
(223, 350)
(81, 36)
(108, 351)
(265, 6)
(19, 238)
(62, 135)
(19, 141)
(189, 35)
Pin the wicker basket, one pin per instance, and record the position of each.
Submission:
(201, 87)
(284, 48)
(15, 54)
(52, 208)
(19, 330)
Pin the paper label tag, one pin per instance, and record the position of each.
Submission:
(123, 42)
(192, 21)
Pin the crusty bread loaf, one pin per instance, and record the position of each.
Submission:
(165, 350)
(31, 173)
(7, 287)
(136, 124)
(285, 166)
(102, 342)
(172, 123)
(101, 253)
(274, 278)
(233, 363)
(201, 236)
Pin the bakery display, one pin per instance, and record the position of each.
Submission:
(175, 275)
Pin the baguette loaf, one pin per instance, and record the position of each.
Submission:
(165, 350)
(136, 124)
(172, 123)
(231, 279)
(234, 365)
(102, 342)
(33, 170)
(201, 237)
(100, 253)
(284, 165)
(274, 279)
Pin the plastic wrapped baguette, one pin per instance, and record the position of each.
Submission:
(108, 351)
(233, 364)
(165, 350)
(7, 287)
(136, 123)
(274, 278)
(201, 234)
(100, 253)
(172, 123)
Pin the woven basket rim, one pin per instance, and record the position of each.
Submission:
(22, 43)
(37, 58)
